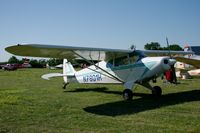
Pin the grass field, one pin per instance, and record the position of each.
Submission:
(31, 104)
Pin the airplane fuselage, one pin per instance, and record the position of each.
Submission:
(142, 70)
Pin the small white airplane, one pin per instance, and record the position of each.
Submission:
(115, 66)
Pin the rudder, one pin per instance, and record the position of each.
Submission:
(68, 70)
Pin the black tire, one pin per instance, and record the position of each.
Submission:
(127, 94)
(65, 85)
(157, 91)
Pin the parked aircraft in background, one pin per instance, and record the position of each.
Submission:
(190, 65)
(115, 66)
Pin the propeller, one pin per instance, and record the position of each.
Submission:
(174, 78)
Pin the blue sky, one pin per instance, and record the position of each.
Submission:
(98, 23)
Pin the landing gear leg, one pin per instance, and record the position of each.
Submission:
(64, 85)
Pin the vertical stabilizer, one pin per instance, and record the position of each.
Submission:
(186, 48)
(68, 70)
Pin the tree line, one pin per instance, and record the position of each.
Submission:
(41, 63)
(156, 46)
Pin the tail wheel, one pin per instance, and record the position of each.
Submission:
(127, 94)
(64, 85)
(157, 91)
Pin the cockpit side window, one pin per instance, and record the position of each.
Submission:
(134, 57)
(118, 61)
(122, 61)
(130, 58)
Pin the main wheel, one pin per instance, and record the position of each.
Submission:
(127, 94)
(157, 91)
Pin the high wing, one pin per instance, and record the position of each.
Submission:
(87, 53)
(55, 51)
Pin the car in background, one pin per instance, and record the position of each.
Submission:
(10, 67)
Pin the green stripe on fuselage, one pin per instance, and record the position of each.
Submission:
(148, 66)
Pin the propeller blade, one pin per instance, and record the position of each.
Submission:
(174, 74)
(168, 47)
(174, 78)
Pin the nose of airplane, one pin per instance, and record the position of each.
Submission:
(162, 65)
(167, 63)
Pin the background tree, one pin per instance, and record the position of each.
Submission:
(42, 62)
(35, 64)
(175, 47)
(54, 61)
(152, 46)
(156, 46)
(13, 59)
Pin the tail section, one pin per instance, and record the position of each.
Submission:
(187, 48)
(68, 70)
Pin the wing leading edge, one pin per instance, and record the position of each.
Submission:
(89, 53)
(55, 51)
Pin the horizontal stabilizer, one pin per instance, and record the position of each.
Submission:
(51, 75)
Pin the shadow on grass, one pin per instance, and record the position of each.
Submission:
(146, 102)
(98, 89)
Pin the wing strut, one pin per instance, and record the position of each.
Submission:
(91, 62)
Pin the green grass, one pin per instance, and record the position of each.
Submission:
(31, 104)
